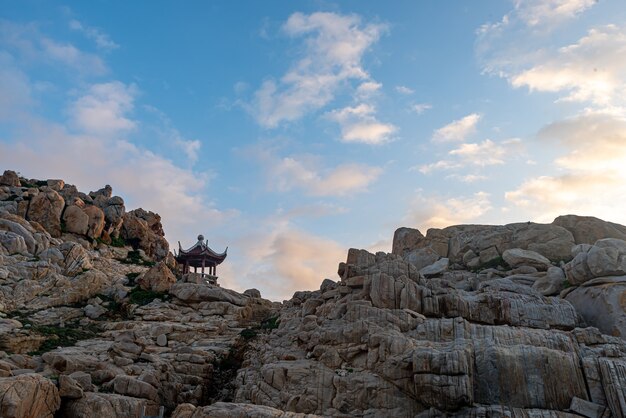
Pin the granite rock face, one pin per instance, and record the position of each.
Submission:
(521, 320)
(28, 396)
(389, 341)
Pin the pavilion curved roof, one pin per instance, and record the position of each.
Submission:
(199, 251)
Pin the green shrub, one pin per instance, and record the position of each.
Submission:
(270, 323)
(62, 337)
(142, 297)
(117, 242)
(248, 333)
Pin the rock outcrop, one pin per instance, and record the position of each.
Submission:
(520, 320)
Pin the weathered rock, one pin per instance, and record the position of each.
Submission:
(145, 230)
(10, 178)
(552, 283)
(253, 293)
(422, 257)
(602, 304)
(435, 268)
(158, 279)
(235, 410)
(28, 396)
(517, 257)
(190, 292)
(69, 388)
(107, 405)
(551, 241)
(587, 409)
(77, 259)
(607, 257)
(94, 311)
(129, 386)
(76, 220)
(588, 229)
(46, 208)
(96, 221)
(405, 240)
(13, 243)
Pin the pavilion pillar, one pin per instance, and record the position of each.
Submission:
(186, 267)
(203, 261)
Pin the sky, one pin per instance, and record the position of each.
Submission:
(292, 131)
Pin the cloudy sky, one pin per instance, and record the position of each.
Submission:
(292, 131)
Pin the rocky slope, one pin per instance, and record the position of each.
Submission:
(520, 320)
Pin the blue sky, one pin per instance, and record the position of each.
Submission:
(291, 131)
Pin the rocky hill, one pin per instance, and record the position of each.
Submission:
(520, 320)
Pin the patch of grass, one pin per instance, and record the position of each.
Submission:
(26, 184)
(118, 242)
(62, 337)
(270, 323)
(142, 297)
(248, 333)
(134, 257)
(131, 278)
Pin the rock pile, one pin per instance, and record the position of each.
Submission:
(520, 320)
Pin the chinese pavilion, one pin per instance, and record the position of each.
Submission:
(200, 256)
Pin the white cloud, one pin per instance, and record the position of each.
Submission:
(591, 70)
(101, 39)
(404, 90)
(540, 12)
(481, 154)
(591, 179)
(358, 124)
(435, 211)
(421, 108)
(438, 165)
(28, 44)
(334, 47)
(468, 178)
(288, 173)
(281, 259)
(103, 109)
(15, 89)
(368, 88)
(457, 130)
(168, 133)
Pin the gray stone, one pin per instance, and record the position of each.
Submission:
(161, 340)
(517, 257)
(586, 408)
(435, 268)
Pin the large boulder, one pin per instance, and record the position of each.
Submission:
(190, 292)
(405, 240)
(602, 304)
(45, 208)
(235, 410)
(607, 257)
(10, 178)
(13, 243)
(476, 245)
(517, 257)
(28, 396)
(108, 405)
(588, 229)
(143, 230)
(158, 279)
(96, 221)
(76, 220)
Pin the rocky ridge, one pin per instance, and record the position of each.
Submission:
(519, 320)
